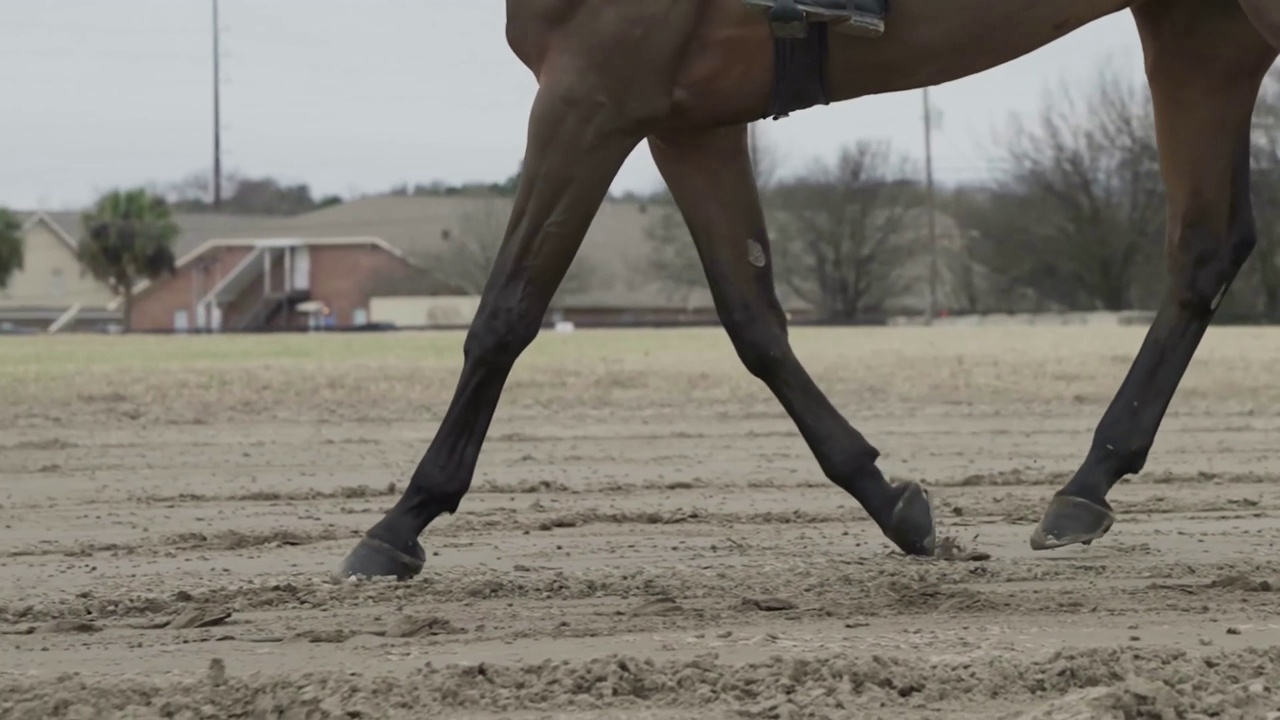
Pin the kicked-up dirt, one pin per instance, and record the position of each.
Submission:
(647, 536)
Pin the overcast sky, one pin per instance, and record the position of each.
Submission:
(356, 96)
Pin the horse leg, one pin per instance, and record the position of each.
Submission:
(1205, 64)
(709, 174)
(575, 147)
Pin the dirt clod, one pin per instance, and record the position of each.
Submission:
(658, 606)
(1241, 582)
(767, 604)
(57, 627)
(410, 626)
(199, 618)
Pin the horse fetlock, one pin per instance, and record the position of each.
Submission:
(1114, 456)
(852, 466)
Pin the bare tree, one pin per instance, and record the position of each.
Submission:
(672, 255)
(244, 195)
(840, 240)
(764, 158)
(1078, 216)
(12, 246)
(468, 256)
(1256, 294)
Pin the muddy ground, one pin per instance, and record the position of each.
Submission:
(646, 537)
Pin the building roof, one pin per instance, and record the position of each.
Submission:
(197, 228)
(616, 247)
(255, 242)
(29, 219)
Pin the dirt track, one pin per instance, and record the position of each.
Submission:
(647, 536)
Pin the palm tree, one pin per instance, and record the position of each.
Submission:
(128, 238)
(10, 246)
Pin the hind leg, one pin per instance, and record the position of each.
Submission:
(709, 174)
(576, 146)
(1205, 63)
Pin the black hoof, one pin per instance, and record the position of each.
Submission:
(1070, 520)
(374, 558)
(911, 523)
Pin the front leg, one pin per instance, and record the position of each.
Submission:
(1205, 63)
(709, 174)
(575, 150)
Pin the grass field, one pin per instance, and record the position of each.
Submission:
(646, 537)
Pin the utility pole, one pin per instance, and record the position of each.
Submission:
(932, 311)
(217, 113)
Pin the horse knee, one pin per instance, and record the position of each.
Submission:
(1206, 264)
(500, 332)
(760, 341)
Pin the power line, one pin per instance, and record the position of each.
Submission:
(930, 208)
(217, 114)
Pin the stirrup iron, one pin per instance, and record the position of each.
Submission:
(788, 21)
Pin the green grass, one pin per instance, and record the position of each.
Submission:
(68, 353)
(403, 375)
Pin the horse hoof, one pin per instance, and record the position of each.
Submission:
(374, 558)
(911, 524)
(1070, 520)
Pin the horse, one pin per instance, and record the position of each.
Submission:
(690, 76)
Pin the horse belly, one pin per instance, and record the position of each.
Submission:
(930, 42)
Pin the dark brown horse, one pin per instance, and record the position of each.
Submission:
(690, 75)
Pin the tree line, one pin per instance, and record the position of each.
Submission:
(1073, 219)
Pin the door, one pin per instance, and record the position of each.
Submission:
(181, 323)
(359, 317)
(301, 268)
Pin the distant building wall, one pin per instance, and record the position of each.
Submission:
(444, 311)
(345, 277)
(1094, 319)
(623, 316)
(51, 275)
(155, 308)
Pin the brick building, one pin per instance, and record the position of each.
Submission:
(252, 284)
(415, 261)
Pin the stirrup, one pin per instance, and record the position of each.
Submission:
(862, 24)
(790, 19)
(787, 21)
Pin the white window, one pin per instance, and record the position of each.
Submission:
(359, 317)
(301, 279)
(57, 283)
(180, 320)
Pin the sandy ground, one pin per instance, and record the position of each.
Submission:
(646, 537)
